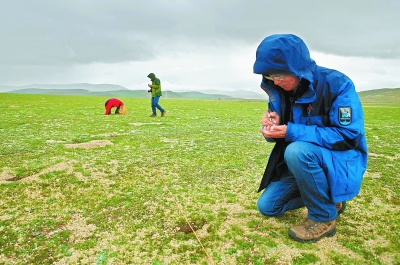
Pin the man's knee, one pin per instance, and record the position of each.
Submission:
(298, 152)
(267, 208)
(293, 150)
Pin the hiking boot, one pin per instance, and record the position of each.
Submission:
(163, 113)
(310, 231)
(153, 115)
(340, 206)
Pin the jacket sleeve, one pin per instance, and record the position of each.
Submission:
(156, 84)
(274, 104)
(339, 134)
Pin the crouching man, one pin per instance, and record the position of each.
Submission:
(316, 120)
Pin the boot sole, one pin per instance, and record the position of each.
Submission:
(327, 234)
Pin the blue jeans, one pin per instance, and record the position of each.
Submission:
(304, 184)
(154, 104)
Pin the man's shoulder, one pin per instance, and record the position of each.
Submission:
(332, 74)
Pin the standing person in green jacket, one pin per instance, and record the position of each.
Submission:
(155, 89)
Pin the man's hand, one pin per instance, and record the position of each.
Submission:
(270, 128)
(274, 131)
(269, 119)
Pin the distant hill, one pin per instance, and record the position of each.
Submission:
(83, 89)
(83, 86)
(81, 92)
(244, 94)
(117, 93)
(385, 95)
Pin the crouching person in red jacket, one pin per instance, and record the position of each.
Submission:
(113, 103)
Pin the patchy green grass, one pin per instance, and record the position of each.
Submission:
(79, 187)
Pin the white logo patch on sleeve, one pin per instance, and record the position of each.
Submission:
(345, 115)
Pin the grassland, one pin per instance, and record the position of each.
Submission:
(79, 187)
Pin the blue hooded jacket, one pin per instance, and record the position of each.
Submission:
(329, 114)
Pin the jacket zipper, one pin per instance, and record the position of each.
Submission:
(291, 109)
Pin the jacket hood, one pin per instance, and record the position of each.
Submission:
(284, 54)
(151, 76)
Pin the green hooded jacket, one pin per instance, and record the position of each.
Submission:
(155, 85)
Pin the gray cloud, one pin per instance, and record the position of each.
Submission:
(59, 34)
(109, 31)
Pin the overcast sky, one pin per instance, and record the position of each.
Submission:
(191, 44)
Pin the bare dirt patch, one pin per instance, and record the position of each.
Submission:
(91, 144)
(54, 141)
(141, 123)
(80, 230)
(391, 158)
(7, 175)
(165, 140)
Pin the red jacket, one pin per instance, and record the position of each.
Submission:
(112, 103)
